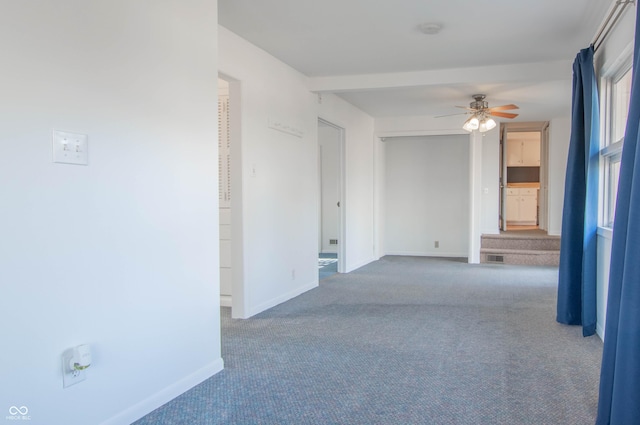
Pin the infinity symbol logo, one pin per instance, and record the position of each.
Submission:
(13, 410)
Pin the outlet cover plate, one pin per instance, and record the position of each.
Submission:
(68, 377)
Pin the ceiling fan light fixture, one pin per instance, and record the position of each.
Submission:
(486, 124)
(481, 113)
(471, 124)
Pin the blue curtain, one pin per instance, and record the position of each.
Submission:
(620, 374)
(577, 271)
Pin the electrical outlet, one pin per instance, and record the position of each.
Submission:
(71, 377)
(436, 244)
(293, 274)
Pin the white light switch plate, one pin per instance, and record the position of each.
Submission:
(70, 148)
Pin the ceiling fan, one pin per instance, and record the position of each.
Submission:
(481, 114)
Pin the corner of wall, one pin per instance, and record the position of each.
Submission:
(141, 409)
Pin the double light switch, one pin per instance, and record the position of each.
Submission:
(70, 148)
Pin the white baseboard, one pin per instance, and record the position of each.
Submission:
(282, 298)
(429, 254)
(554, 232)
(600, 331)
(352, 267)
(225, 301)
(148, 405)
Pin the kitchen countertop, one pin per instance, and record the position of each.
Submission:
(524, 185)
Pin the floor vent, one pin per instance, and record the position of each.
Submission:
(495, 258)
(333, 242)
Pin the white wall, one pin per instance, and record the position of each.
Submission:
(559, 135)
(360, 179)
(121, 254)
(380, 160)
(490, 199)
(279, 194)
(558, 149)
(417, 126)
(427, 195)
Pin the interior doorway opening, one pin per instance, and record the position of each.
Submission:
(330, 179)
(232, 292)
(524, 176)
(224, 192)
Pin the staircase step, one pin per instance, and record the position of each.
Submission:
(520, 242)
(520, 256)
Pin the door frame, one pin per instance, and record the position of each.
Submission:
(503, 178)
(341, 194)
(543, 201)
(239, 297)
(541, 127)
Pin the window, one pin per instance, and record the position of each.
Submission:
(616, 95)
(621, 94)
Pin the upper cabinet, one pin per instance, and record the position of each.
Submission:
(522, 153)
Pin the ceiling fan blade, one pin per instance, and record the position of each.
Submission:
(450, 115)
(502, 114)
(504, 107)
(466, 107)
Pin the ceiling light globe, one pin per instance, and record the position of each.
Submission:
(471, 124)
(490, 124)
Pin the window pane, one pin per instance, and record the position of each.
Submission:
(614, 175)
(620, 106)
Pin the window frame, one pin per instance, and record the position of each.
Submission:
(610, 150)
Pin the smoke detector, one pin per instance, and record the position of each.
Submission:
(430, 28)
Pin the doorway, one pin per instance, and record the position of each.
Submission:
(330, 178)
(229, 197)
(224, 192)
(523, 177)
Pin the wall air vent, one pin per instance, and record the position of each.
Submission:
(333, 242)
(495, 258)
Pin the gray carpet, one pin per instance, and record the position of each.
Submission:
(404, 341)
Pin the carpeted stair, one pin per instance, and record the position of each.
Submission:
(521, 248)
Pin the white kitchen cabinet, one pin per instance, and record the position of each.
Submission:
(522, 206)
(513, 202)
(523, 153)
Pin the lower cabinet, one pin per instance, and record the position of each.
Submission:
(522, 206)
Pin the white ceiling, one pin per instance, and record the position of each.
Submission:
(373, 55)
